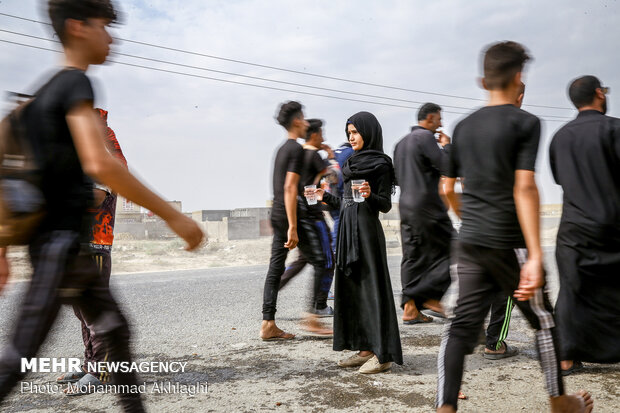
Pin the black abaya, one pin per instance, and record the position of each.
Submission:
(364, 310)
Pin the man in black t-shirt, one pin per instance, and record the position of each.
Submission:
(70, 147)
(585, 159)
(291, 225)
(494, 150)
(314, 169)
(426, 229)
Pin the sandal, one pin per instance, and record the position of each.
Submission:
(421, 318)
(577, 366)
(509, 351)
(70, 377)
(281, 336)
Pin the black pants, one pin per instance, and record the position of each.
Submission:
(497, 330)
(309, 245)
(318, 300)
(425, 266)
(95, 349)
(483, 272)
(64, 274)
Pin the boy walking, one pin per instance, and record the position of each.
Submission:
(494, 150)
(63, 126)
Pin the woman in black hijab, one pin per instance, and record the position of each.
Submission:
(365, 315)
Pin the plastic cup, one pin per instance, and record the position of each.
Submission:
(355, 188)
(311, 199)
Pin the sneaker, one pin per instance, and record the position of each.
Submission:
(373, 366)
(354, 361)
(324, 312)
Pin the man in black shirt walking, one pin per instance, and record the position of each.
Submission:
(494, 150)
(291, 226)
(585, 160)
(68, 140)
(426, 229)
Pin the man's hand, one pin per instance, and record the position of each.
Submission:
(443, 139)
(318, 192)
(532, 278)
(293, 239)
(187, 229)
(328, 149)
(4, 269)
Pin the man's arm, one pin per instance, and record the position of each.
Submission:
(451, 195)
(290, 204)
(528, 211)
(98, 163)
(4, 268)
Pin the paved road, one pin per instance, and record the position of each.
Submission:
(210, 319)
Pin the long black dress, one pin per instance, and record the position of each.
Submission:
(364, 310)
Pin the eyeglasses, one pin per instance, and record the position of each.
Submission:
(605, 90)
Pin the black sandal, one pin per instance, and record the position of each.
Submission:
(577, 366)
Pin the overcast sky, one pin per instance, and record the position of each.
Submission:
(210, 144)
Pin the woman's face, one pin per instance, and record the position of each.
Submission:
(355, 139)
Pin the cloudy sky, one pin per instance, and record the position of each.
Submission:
(210, 143)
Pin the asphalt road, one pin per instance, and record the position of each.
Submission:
(210, 319)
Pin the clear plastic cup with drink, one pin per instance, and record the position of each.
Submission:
(310, 195)
(355, 188)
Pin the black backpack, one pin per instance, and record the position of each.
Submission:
(22, 204)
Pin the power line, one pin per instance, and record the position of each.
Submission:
(245, 76)
(244, 83)
(231, 81)
(288, 70)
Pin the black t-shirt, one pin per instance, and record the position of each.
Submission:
(419, 163)
(289, 158)
(313, 164)
(487, 148)
(67, 190)
(585, 159)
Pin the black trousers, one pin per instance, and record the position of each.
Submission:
(425, 266)
(482, 273)
(499, 323)
(318, 299)
(309, 245)
(64, 274)
(95, 349)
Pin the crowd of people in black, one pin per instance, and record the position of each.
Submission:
(495, 257)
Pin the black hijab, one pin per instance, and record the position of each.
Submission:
(370, 160)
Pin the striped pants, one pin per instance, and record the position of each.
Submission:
(482, 273)
(499, 323)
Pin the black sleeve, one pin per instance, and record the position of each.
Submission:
(318, 164)
(381, 193)
(527, 148)
(436, 155)
(332, 201)
(452, 169)
(615, 135)
(295, 162)
(76, 89)
(552, 160)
